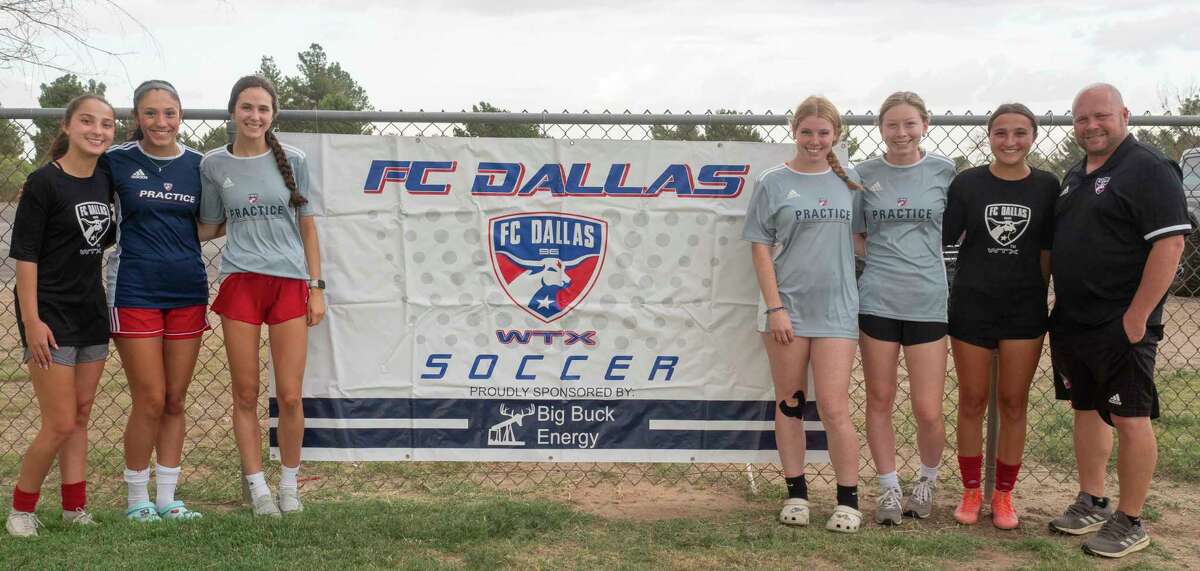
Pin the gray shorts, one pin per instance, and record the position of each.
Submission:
(71, 356)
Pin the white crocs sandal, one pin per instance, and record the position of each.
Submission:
(795, 512)
(845, 519)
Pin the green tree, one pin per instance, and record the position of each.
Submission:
(1173, 141)
(215, 137)
(11, 144)
(486, 129)
(319, 84)
(712, 132)
(58, 93)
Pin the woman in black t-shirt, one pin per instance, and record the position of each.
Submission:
(1004, 214)
(62, 225)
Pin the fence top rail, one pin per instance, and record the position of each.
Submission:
(602, 118)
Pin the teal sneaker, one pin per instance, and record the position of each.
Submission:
(176, 511)
(144, 512)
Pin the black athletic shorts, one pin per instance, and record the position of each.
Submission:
(984, 340)
(1101, 370)
(899, 331)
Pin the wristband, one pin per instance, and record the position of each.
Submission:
(774, 309)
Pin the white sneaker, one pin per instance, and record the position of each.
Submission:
(289, 500)
(79, 517)
(22, 524)
(265, 506)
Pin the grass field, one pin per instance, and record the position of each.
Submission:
(490, 531)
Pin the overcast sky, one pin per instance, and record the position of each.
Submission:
(651, 54)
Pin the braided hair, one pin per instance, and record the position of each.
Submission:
(815, 105)
(281, 160)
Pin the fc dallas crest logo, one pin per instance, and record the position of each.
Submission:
(822, 202)
(1102, 183)
(547, 262)
(901, 202)
(252, 199)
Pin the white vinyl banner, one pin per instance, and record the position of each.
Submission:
(537, 300)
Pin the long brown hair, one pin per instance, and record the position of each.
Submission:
(139, 93)
(61, 142)
(818, 106)
(285, 167)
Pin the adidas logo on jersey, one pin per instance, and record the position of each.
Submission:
(138, 175)
(792, 194)
(1115, 399)
(227, 184)
(876, 187)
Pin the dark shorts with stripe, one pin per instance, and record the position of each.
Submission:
(1100, 370)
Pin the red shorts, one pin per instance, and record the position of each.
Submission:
(258, 299)
(141, 323)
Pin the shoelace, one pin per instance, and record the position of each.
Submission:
(1115, 528)
(82, 517)
(1080, 509)
(30, 519)
(923, 491)
(890, 498)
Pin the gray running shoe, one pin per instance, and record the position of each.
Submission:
(289, 500)
(264, 505)
(920, 503)
(889, 509)
(1117, 538)
(1081, 517)
(22, 524)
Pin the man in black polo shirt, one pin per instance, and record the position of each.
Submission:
(1118, 235)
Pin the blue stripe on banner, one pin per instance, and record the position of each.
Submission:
(543, 424)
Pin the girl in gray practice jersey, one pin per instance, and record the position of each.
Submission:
(798, 222)
(902, 295)
(271, 266)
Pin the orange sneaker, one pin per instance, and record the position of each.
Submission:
(1004, 515)
(967, 512)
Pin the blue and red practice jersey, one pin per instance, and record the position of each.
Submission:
(157, 262)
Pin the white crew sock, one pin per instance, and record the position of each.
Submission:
(165, 480)
(137, 485)
(258, 485)
(930, 473)
(889, 480)
(287, 477)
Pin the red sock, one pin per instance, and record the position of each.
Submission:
(971, 468)
(74, 496)
(24, 501)
(1006, 476)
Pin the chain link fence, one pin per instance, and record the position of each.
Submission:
(211, 467)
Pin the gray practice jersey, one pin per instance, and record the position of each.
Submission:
(901, 213)
(808, 216)
(248, 194)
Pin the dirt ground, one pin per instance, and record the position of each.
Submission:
(1173, 514)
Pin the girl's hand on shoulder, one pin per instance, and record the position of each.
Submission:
(780, 324)
(41, 341)
(316, 306)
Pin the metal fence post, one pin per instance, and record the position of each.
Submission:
(993, 427)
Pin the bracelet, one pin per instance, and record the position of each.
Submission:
(774, 309)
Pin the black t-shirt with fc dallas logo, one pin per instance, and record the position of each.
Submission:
(63, 224)
(998, 289)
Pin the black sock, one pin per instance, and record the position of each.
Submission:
(1133, 520)
(797, 487)
(1099, 502)
(847, 496)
